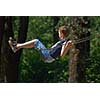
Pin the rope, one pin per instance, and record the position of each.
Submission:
(82, 40)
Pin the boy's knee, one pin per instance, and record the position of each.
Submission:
(36, 40)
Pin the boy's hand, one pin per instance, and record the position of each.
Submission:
(70, 44)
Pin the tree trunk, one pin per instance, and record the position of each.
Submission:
(2, 20)
(55, 35)
(73, 65)
(84, 48)
(7, 54)
(23, 28)
(77, 68)
(10, 60)
(2, 69)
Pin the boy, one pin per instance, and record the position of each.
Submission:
(49, 55)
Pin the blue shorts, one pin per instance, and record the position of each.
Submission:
(44, 51)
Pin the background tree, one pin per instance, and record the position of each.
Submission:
(2, 69)
(11, 60)
(84, 48)
(55, 34)
(93, 67)
(80, 31)
(22, 35)
(7, 54)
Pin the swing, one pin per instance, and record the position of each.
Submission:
(43, 58)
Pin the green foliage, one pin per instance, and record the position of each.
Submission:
(93, 69)
(42, 28)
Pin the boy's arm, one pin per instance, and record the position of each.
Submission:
(65, 47)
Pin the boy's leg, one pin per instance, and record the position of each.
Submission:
(30, 44)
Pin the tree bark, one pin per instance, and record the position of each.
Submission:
(77, 66)
(7, 54)
(55, 35)
(2, 20)
(23, 28)
(84, 48)
(73, 65)
(2, 69)
(10, 60)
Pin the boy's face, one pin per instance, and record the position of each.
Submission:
(61, 35)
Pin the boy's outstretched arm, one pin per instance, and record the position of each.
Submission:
(65, 47)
